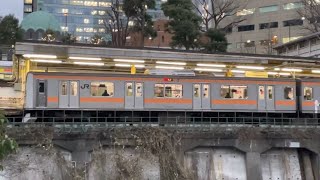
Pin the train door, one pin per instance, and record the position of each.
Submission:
(265, 97)
(270, 97)
(134, 95)
(41, 93)
(69, 94)
(261, 98)
(201, 96)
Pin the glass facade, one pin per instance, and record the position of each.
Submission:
(83, 18)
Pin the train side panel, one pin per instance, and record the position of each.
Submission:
(156, 97)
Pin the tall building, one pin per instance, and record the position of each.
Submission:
(81, 18)
(265, 25)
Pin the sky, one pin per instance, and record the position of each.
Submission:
(12, 7)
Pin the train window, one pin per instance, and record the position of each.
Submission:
(270, 92)
(261, 92)
(173, 90)
(168, 90)
(138, 89)
(196, 88)
(206, 90)
(288, 92)
(129, 89)
(234, 92)
(74, 88)
(41, 87)
(64, 88)
(159, 90)
(102, 89)
(307, 93)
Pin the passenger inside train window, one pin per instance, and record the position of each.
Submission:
(288, 92)
(307, 93)
(206, 91)
(102, 89)
(105, 93)
(234, 92)
(168, 90)
(158, 90)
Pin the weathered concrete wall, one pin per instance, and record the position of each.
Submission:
(216, 163)
(281, 164)
(107, 164)
(36, 164)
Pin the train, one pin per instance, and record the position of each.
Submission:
(159, 95)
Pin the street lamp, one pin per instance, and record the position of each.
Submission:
(66, 21)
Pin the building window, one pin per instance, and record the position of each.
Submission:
(105, 4)
(86, 21)
(27, 8)
(28, 1)
(287, 39)
(268, 9)
(307, 93)
(268, 25)
(234, 92)
(90, 3)
(64, 11)
(168, 90)
(102, 12)
(76, 2)
(102, 30)
(293, 22)
(79, 30)
(94, 12)
(293, 5)
(102, 89)
(100, 21)
(246, 28)
(288, 93)
(244, 12)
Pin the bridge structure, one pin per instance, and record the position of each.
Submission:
(221, 147)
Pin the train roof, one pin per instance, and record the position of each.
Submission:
(162, 76)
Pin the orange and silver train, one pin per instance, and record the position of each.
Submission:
(152, 93)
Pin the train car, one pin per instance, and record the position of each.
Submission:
(113, 92)
(309, 95)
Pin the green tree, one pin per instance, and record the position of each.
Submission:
(184, 23)
(7, 145)
(217, 41)
(10, 32)
(137, 11)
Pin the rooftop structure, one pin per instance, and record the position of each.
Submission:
(307, 46)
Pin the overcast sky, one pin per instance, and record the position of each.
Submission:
(12, 7)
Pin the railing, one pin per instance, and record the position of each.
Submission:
(86, 123)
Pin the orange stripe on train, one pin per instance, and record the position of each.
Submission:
(181, 80)
(234, 101)
(167, 101)
(286, 103)
(53, 99)
(101, 99)
(308, 103)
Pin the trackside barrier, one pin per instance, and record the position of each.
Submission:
(86, 123)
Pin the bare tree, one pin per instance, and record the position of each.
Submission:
(214, 11)
(311, 13)
(116, 24)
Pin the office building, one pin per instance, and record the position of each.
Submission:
(265, 25)
(81, 18)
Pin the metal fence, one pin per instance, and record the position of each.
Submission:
(86, 123)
